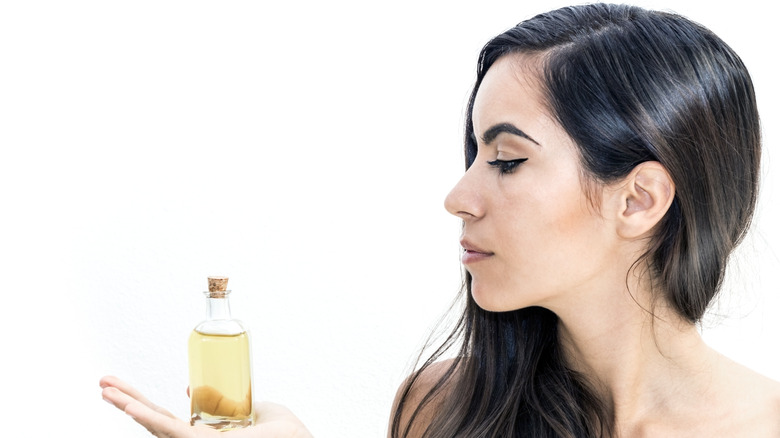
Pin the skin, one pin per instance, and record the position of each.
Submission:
(534, 238)
(271, 420)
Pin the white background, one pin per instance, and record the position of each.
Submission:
(304, 150)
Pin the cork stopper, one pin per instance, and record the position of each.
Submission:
(218, 287)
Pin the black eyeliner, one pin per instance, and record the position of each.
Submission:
(507, 166)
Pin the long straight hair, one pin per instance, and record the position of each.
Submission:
(628, 86)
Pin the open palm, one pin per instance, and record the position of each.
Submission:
(271, 420)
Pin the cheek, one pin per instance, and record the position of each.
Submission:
(546, 254)
(553, 233)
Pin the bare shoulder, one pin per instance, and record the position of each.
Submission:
(767, 394)
(757, 397)
(765, 404)
(408, 398)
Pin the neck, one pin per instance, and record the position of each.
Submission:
(643, 360)
(218, 308)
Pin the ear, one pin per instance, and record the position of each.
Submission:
(645, 196)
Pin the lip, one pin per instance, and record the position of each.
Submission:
(472, 253)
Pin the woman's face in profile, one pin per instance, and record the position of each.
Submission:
(530, 236)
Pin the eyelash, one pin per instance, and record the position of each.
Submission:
(507, 166)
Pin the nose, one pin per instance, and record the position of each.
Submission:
(465, 200)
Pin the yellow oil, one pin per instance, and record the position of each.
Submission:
(220, 380)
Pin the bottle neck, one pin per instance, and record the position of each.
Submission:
(217, 308)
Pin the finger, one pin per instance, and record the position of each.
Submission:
(159, 424)
(122, 386)
(117, 398)
(154, 421)
(111, 381)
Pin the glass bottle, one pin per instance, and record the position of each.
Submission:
(220, 365)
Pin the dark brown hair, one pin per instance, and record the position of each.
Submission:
(629, 86)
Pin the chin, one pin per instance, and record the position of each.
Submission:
(487, 300)
(492, 299)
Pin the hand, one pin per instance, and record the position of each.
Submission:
(271, 420)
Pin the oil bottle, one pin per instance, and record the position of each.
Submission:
(220, 365)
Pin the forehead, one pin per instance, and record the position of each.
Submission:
(510, 92)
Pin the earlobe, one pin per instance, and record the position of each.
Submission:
(647, 193)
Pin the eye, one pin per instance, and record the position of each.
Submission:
(507, 166)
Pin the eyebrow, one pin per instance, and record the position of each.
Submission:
(491, 133)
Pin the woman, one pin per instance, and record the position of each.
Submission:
(612, 160)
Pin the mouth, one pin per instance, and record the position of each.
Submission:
(472, 253)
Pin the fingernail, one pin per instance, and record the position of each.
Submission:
(109, 402)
